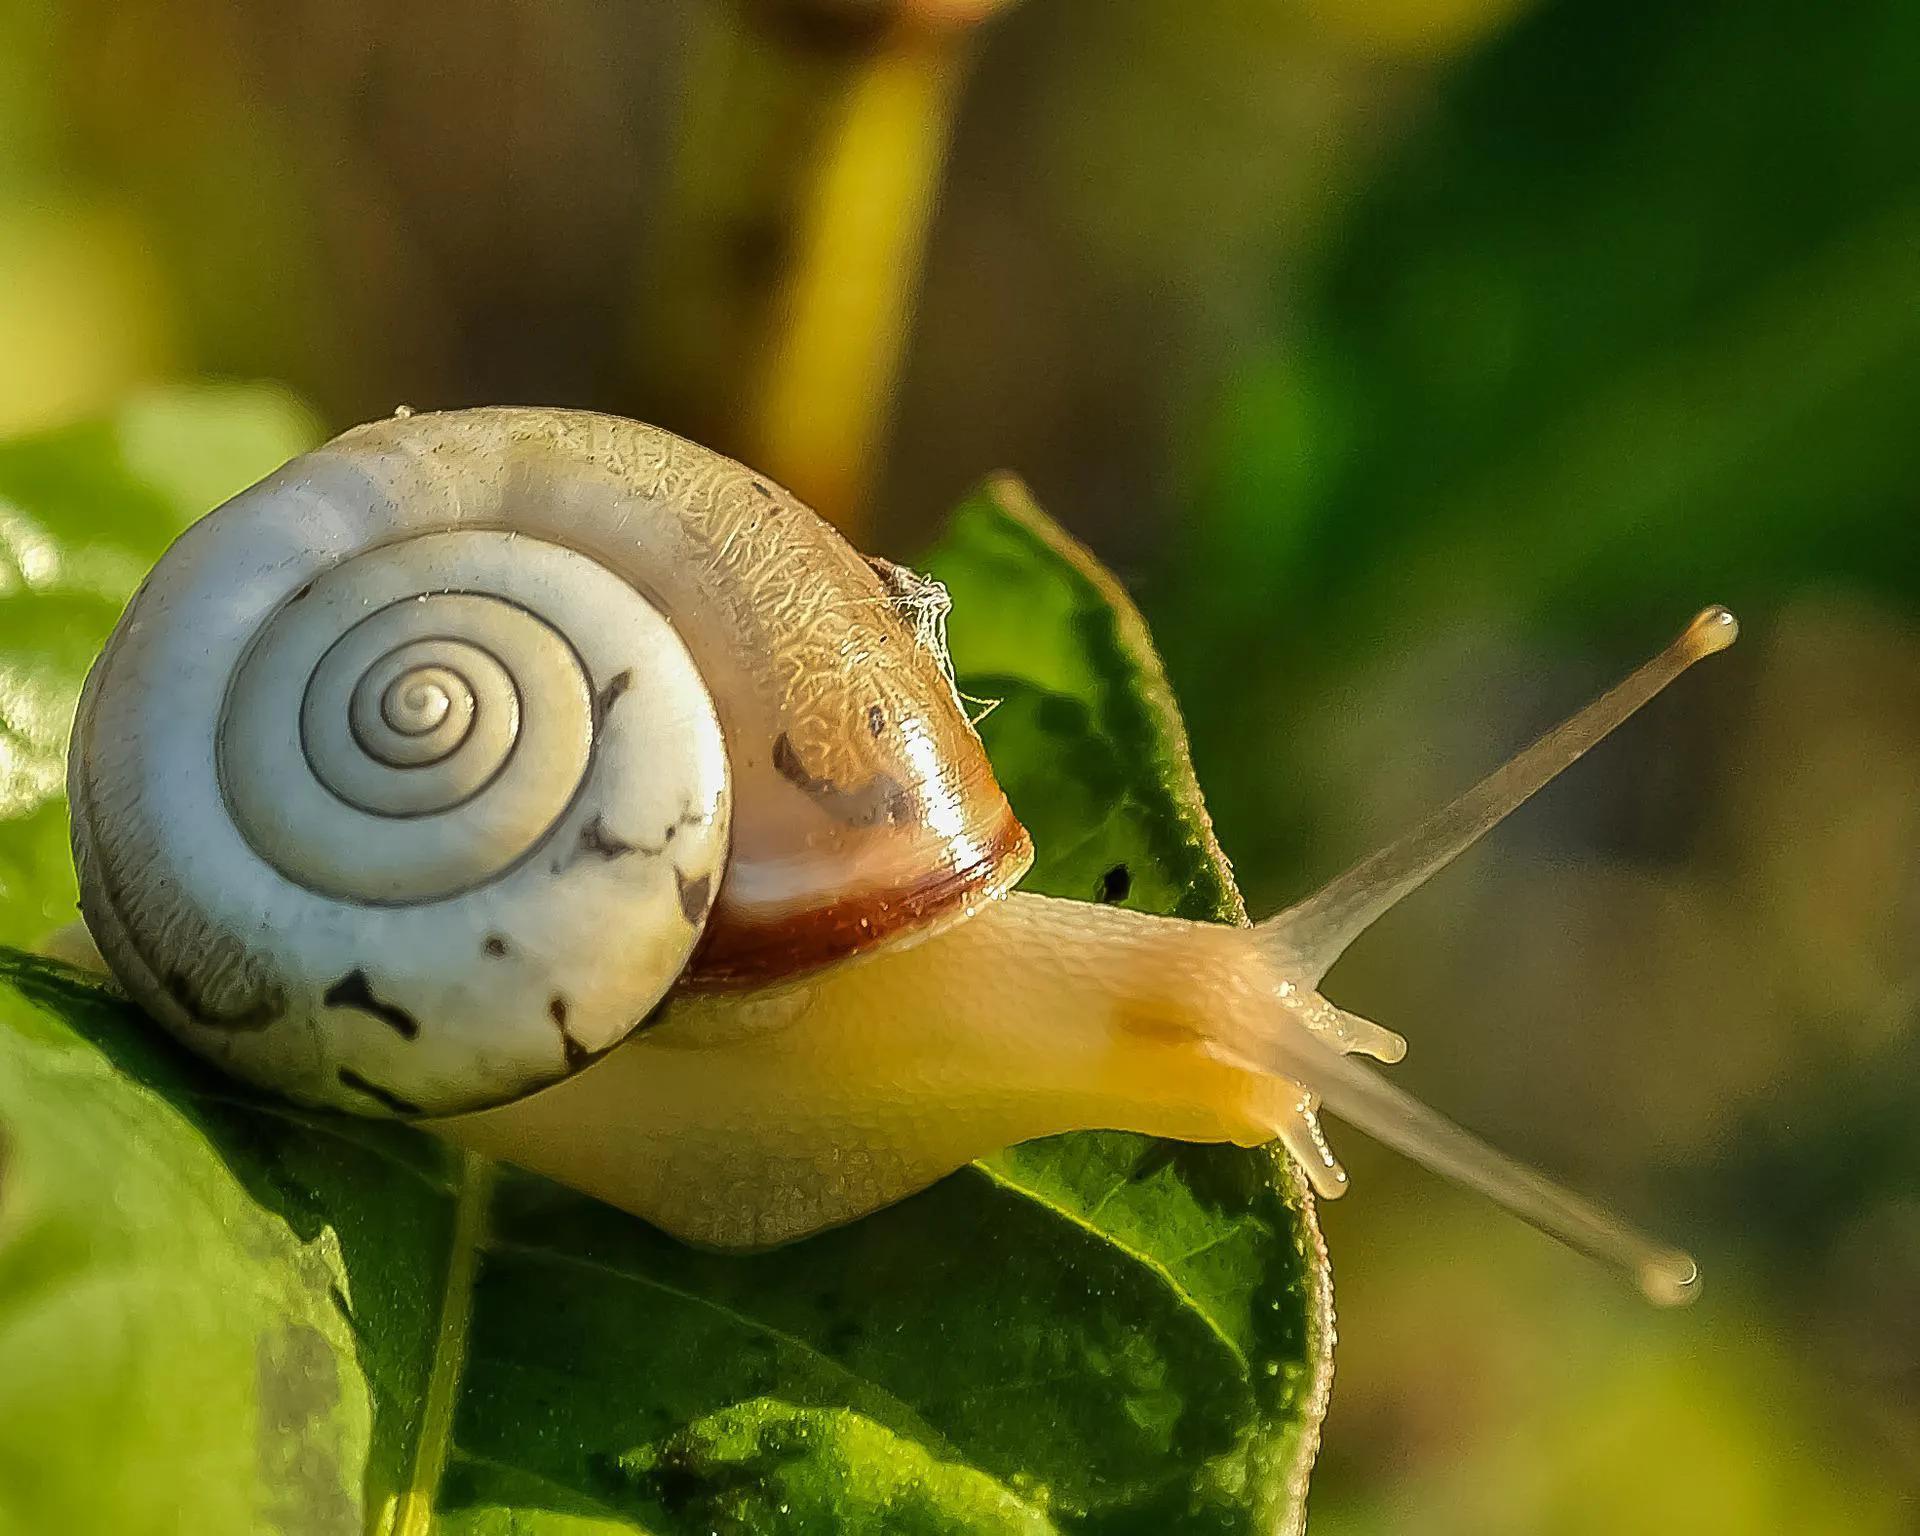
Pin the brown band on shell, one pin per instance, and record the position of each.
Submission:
(737, 954)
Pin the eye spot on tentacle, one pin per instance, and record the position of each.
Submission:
(696, 895)
(353, 990)
(1115, 885)
(383, 1096)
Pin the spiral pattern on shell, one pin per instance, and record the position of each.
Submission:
(457, 725)
(429, 826)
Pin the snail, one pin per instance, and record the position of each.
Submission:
(572, 790)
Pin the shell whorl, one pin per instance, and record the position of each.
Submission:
(426, 694)
(409, 824)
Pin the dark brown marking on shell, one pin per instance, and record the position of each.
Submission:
(304, 592)
(881, 801)
(597, 840)
(576, 1054)
(876, 720)
(1115, 884)
(258, 1011)
(353, 990)
(737, 954)
(495, 945)
(379, 1095)
(696, 896)
(764, 489)
(617, 685)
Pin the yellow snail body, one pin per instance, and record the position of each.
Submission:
(565, 787)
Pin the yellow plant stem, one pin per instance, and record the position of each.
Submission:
(837, 330)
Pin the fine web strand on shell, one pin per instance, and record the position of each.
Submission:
(1310, 935)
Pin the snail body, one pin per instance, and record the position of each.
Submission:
(573, 790)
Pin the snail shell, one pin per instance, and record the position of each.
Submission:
(417, 775)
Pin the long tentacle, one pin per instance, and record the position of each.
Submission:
(1366, 1100)
(1310, 935)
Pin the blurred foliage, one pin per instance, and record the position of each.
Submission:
(1634, 314)
(1632, 321)
(1421, 364)
(1628, 320)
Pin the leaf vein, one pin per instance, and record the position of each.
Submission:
(1147, 1261)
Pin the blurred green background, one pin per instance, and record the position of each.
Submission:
(1420, 365)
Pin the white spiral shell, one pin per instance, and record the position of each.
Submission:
(390, 806)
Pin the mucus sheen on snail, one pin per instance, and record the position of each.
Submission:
(570, 789)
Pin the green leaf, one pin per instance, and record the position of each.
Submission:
(84, 512)
(1090, 1334)
(173, 1351)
